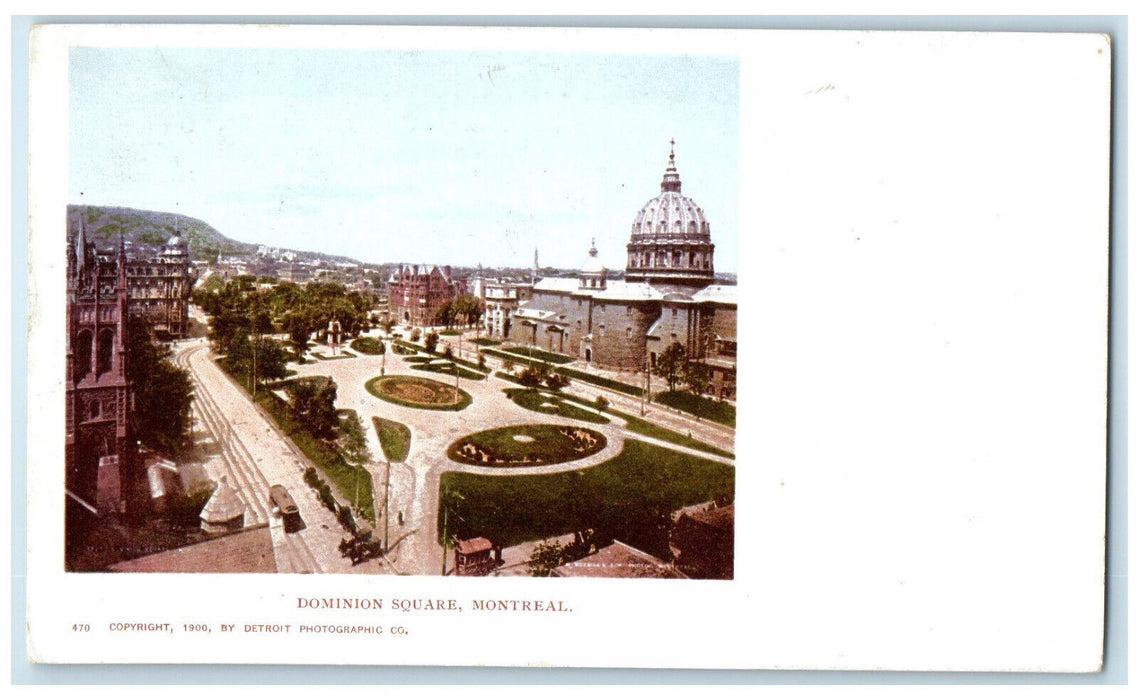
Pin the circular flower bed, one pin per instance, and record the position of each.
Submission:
(418, 392)
(526, 446)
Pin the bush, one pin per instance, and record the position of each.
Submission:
(346, 519)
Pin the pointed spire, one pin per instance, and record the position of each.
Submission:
(80, 245)
(593, 247)
(671, 180)
(122, 263)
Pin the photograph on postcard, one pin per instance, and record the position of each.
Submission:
(421, 312)
(458, 312)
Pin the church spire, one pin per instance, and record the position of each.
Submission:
(80, 246)
(671, 180)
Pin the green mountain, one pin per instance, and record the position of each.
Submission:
(151, 228)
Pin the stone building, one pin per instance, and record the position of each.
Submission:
(160, 287)
(101, 455)
(417, 292)
(667, 296)
(500, 298)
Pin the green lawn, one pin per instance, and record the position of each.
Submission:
(534, 400)
(395, 438)
(644, 427)
(586, 377)
(544, 444)
(486, 341)
(447, 368)
(344, 355)
(624, 497)
(367, 345)
(713, 410)
(539, 354)
(417, 392)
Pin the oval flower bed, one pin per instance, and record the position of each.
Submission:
(526, 446)
(418, 392)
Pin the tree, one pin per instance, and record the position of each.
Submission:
(482, 361)
(531, 377)
(555, 381)
(262, 358)
(162, 393)
(546, 557)
(601, 403)
(448, 353)
(415, 334)
(299, 330)
(351, 440)
(670, 364)
(507, 364)
(698, 376)
(430, 341)
(314, 400)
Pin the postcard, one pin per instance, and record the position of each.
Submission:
(566, 347)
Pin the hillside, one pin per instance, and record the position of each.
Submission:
(144, 228)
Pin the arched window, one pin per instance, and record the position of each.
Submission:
(692, 227)
(106, 345)
(83, 352)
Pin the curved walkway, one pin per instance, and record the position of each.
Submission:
(412, 530)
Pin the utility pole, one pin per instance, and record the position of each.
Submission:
(443, 505)
(387, 488)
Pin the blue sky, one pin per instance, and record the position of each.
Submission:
(424, 156)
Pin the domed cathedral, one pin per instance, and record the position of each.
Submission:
(671, 241)
(668, 296)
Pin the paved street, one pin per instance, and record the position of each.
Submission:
(252, 454)
(234, 440)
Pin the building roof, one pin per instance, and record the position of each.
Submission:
(618, 560)
(224, 505)
(719, 293)
(716, 518)
(620, 290)
(247, 551)
(475, 544)
(557, 284)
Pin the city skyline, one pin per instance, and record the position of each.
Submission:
(460, 158)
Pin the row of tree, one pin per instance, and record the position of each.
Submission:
(673, 365)
(464, 311)
(240, 307)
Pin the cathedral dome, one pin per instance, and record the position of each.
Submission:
(670, 215)
(671, 241)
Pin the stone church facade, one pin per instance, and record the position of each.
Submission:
(667, 296)
(101, 456)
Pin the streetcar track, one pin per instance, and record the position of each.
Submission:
(240, 463)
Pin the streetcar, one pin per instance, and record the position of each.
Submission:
(286, 507)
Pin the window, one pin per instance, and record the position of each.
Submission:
(83, 352)
(628, 333)
(674, 312)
